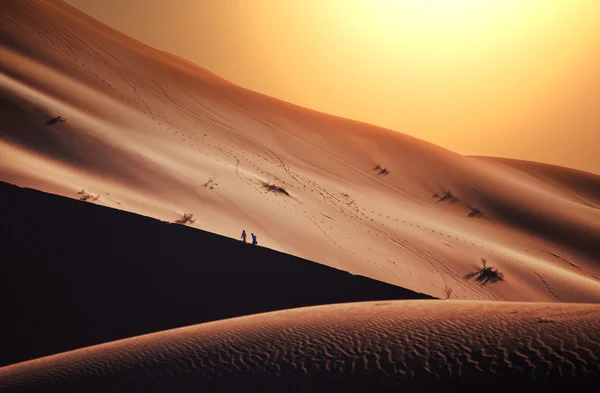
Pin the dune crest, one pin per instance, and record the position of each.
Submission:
(159, 136)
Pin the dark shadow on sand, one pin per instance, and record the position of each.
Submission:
(76, 274)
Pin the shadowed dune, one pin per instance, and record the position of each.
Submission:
(406, 346)
(75, 274)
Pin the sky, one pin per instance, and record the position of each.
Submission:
(508, 78)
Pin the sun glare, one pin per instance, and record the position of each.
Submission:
(441, 10)
(445, 28)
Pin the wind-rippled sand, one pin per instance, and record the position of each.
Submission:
(376, 346)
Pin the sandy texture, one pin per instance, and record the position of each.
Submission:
(377, 346)
(150, 133)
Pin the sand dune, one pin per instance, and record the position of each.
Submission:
(156, 135)
(580, 187)
(84, 274)
(406, 346)
(89, 113)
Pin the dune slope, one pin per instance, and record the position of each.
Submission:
(75, 274)
(394, 346)
(581, 187)
(154, 134)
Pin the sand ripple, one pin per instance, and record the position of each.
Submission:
(371, 346)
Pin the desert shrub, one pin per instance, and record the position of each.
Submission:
(490, 274)
(487, 274)
(449, 197)
(381, 169)
(211, 183)
(447, 291)
(88, 197)
(55, 120)
(475, 213)
(188, 218)
(275, 188)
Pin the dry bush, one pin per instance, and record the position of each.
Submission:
(490, 274)
(276, 188)
(55, 120)
(211, 183)
(86, 196)
(381, 169)
(447, 291)
(449, 197)
(188, 218)
(487, 274)
(475, 213)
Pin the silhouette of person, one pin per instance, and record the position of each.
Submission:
(254, 241)
(244, 236)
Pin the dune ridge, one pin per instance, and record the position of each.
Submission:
(371, 346)
(85, 274)
(153, 134)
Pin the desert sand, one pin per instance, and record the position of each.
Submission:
(151, 133)
(130, 140)
(408, 346)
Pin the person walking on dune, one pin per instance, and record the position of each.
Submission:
(244, 236)
(254, 241)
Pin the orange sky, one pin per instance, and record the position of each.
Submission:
(508, 78)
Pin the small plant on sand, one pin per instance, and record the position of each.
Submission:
(381, 170)
(211, 183)
(447, 291)
(188, 218)
(86, 196)
(55, 120)
(449, 197)
(348, 200)
(475, 213)
(275, 188)
(435, 195)
(487, 274)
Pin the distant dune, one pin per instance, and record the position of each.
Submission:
(400, 346)
(147, 132)
(580, 187)
(75, 274)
